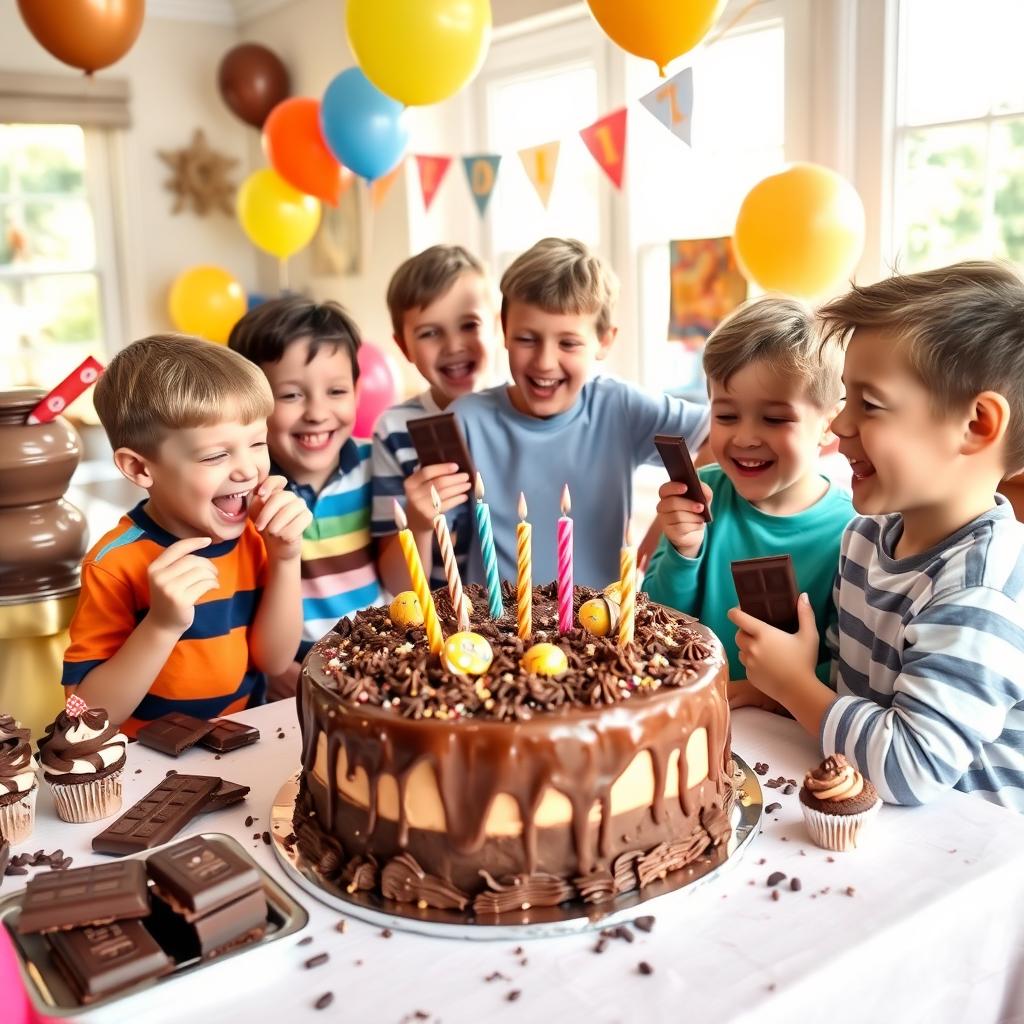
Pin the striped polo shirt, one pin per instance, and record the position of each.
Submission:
(339, 574)
(929, 661)
(209, 672)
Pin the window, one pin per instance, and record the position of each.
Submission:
(958, 189)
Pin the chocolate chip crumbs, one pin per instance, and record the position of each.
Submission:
(248, 821)
(775, 877)
(645, 923)
(761, 768)
(266, 838)
(341, 926)
(386, 933)
(601, 946)
(324, 1001)
(305, 942)
(850, 891)
(795, 884)
(513, 995)
(644, 967)
(318, 960)
(772, 808)
(775, 895)
(497, 976)
(789, 788)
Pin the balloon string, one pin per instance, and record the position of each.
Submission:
(282, 275)
(740, 15)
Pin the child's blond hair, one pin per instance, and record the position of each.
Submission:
(561, 275)
(171, 382)
(960, 327)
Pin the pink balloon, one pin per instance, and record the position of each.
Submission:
(376, 388)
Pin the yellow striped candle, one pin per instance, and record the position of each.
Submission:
(435, 638)
(524, 574)
(627, 591)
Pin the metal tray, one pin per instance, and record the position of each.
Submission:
(51, 994)
(538, 922)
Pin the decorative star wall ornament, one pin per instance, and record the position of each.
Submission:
(199, 177)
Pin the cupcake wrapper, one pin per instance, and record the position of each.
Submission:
(17, 818)
(88, 801)
(839, 832)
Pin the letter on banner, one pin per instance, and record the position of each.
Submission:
(672, 103)
(482, 174)
(540, 163)
(606, 140)
(432, 171)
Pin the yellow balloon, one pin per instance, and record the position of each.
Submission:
(279, 219)
(206, 301)
(801, 231)
(419, 51)
(659, 30)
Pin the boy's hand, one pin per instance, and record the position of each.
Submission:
(774, 658)
(177, 580)
(280, 518)
(452, 488)
(743, 694)
(681, 518)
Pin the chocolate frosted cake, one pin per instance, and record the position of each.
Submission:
(495, 793)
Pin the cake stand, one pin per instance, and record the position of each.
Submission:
(568, 918)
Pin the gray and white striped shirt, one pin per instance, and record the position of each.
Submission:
(929, 660)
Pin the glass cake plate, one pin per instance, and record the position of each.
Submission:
(538, 922)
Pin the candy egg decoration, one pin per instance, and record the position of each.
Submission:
(405, 610)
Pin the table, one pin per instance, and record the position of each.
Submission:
(933, 930)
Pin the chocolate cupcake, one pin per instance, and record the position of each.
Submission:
(83, 756)
(838, 803)
(18, 782)
(12, 731)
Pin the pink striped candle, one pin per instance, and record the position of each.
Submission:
(451, 567)
(565, 564)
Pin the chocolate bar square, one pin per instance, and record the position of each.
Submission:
(228, 735)
(198, 875)
(100, 959)
(766, 588)
(225, 795)
(438, 439)
(238, 923)
(158, 816)
(676, 456)
(84, 896)
(174, 733)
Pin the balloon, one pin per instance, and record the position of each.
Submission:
(419, 51)
(279, 219)
(252, 81)
(800, 232)
(296, 150)
(376, 388)
(362, 127)
(206, 301)
(83, 33)
(659, 30)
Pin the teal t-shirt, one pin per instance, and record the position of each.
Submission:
(703, 587)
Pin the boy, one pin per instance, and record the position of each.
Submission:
(445, 322)
(195, 592)
(555, 426)
(309, 354)
(928, 665)
(772, 399)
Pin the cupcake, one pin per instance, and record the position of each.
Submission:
(838, 803)
(82, 756)
(18, 782)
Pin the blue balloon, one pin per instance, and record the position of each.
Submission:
(254, 299)
(363, 128)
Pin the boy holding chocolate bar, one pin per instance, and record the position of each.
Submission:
(772, 399)
(195, 592)
(929, 677)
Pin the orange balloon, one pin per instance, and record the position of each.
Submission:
(296, 150)
(87, 34)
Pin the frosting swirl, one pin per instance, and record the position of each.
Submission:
(834, 779)
(11, 731)
(82, 745)
(17, 770)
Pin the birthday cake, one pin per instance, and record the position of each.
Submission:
(495, 790)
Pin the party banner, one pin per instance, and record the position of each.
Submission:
(672, 103)
(432, 171)
(482, 174)
(706, 286)
(380, 187)
(606, 140)
(540, 162)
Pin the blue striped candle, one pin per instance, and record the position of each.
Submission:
(483, 527)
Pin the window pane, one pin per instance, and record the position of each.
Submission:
(1008, 160)
(42, 159)
(51, 234)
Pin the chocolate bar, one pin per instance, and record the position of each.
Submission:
(237, 924)
(228, 735)
(101, 959)
(438, 439)
(159, 815)
(226, 794)
(767, 590)
(84, 896)
(676, 457)
(174, 733)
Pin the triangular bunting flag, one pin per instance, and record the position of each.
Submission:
(380, 187)
(540, 163)
(432, 171)
(672, 103)
(606, 140)
(482, 174)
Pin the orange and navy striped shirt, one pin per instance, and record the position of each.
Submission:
(209, 672)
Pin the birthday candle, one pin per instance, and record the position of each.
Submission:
(627, 591)
(451, 568)
(524, 574)
(565, 565)
(419, 582)
(483, 527)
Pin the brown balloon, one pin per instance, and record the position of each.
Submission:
(87, 34)
(252, 81)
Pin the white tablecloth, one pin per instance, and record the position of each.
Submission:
(934, 929)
